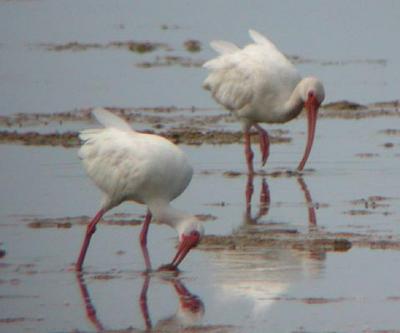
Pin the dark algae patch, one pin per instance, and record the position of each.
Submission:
(133, 46)
(171, 60)
(192, 45)
(285, 239)
(192, 126)
(189, 137)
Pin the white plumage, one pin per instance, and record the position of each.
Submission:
(259, 84)
(131, 166)
(127, 165)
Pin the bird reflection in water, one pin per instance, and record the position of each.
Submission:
(265, 201)
(265, 272)
(189, 313)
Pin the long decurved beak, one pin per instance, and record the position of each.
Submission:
(312, 106)
(186, 244)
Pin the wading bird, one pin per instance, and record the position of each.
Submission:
(148, 169)
(260, 85)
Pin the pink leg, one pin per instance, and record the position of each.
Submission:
(264, 143)
(91, 228)
(248, 151)
(143, 240)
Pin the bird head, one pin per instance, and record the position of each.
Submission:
(312, 94)
(189, 236)
(191, 307)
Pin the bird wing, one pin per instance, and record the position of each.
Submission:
(133, 166)
(224, 47)
(237, 76)
(108, 119)
(230, 80)
(269, 48)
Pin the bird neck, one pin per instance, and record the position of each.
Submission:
(295, 103)
(164, 213)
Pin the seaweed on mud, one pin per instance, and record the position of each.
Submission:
(367, 155)
(192, 45)
(170, 60)
(280, 238)
(373, 201)
(13, 320)
(114, 220)
(187, 136)
(391, 132)
(134, 46)
(344, 105)
(69, 222)
(388, 145)
(196, 125)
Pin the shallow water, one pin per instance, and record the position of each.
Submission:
(357, 59)
(350, 186)
(257, 289)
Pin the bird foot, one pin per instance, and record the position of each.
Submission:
(168, 268)
(73, 268)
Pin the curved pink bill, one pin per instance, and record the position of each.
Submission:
(184, 247)
(312, 106)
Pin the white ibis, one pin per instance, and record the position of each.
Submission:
(259, 84)
(148, 169)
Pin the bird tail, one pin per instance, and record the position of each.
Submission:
(108, 119)
(88, 134)
(261, 39)
(223, 47)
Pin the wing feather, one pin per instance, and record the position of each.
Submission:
(128, 165)
(224, 47)
(108, 119)
(269, 47)
(238, 76)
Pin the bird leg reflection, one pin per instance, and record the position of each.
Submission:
(143, 302)
(312, 218)
(190, 311)
(143, 240)
(265, 199)
(90, 309)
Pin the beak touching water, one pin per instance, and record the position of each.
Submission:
(312, 106)
(187, 243)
